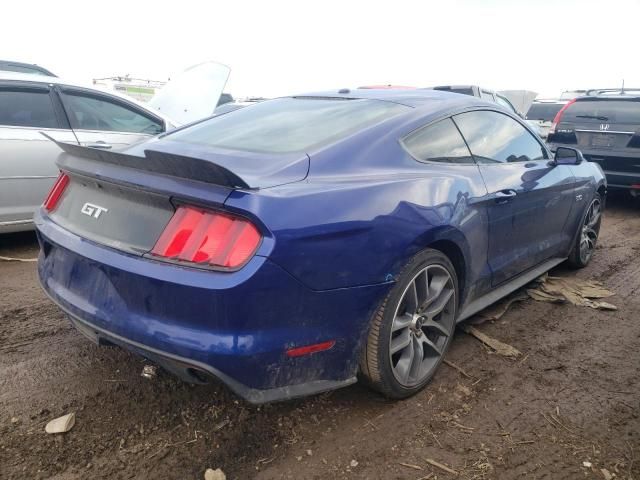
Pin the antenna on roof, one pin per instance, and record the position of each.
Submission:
(622, 86)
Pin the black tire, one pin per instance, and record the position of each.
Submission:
(379, 367)
(587, 236)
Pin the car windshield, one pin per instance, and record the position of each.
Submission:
(598, 110)
(543, 111)
(287, 125)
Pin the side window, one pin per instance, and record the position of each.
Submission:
(87, 112)
(497, 138)
(438, 142)
(27, 108)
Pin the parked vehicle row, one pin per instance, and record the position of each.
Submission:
(297, 244)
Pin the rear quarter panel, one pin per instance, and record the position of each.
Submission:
(359, 224)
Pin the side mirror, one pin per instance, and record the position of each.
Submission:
(568, 156)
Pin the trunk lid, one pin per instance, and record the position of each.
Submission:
(125, 199)
(120, 217)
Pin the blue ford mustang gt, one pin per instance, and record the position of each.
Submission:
(301, 243)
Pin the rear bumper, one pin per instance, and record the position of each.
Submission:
(192, 371)
(233, 326)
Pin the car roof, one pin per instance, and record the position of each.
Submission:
(37, 78)
(410, 98)
(609, 96)
(33, 66)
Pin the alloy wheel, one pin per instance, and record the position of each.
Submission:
(590, 229)
(422, 325)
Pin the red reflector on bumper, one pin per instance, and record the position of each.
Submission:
(309, 349)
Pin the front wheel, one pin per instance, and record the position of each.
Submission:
(411, 331)
(585, 244)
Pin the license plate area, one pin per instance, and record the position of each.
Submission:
(602, 140)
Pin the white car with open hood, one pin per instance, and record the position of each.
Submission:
(65, 111)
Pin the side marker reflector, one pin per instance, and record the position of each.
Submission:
(309, 349)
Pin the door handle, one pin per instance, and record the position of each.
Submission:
(102, 145)
(504, 196)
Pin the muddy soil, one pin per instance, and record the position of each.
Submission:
(573, 397)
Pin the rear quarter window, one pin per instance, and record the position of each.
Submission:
(288, 125)
(438, 142)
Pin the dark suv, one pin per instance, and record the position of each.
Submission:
(605, 126)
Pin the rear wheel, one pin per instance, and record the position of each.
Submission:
(588, 235)
(412, 330)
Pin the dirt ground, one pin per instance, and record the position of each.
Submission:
(572, 397)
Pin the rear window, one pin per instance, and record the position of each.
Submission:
(287, 125)
(603, 110)
(544, 111)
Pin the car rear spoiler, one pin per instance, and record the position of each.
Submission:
(159, 162)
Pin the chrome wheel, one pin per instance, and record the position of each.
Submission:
(422, 324)
(590, 230)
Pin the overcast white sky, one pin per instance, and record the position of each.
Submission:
(283, 47)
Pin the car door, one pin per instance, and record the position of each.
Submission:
(454, 187)
(529, 198)
(27, 158)
(105, 121)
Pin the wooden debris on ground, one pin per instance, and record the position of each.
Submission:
(499, 347)
(441, 466)
(573, 290)
(456, 367)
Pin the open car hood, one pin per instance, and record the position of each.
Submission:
(193, 94)
(520, 99)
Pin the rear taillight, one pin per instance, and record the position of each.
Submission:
(558, 117)
(207, 238)
(56, 192)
